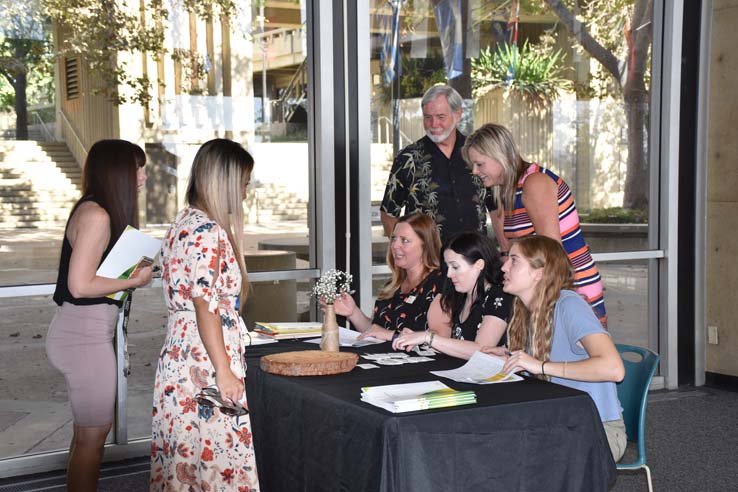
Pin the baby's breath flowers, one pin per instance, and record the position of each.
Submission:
(331, 284)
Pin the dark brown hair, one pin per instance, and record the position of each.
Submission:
(109, 178)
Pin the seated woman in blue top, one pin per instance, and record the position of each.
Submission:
(554, 333)
(406, 301)
(472, 300)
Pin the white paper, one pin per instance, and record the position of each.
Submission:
(403, 391)
(285, 327)
(128, 250)
(255, 338)
(350, 338)
(481, 368)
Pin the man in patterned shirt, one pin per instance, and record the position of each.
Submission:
(430, 176)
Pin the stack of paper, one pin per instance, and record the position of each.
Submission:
(480, 369)
(280, 331)
(128, 251)
(256, 338)
(350, 338)
(410, 397)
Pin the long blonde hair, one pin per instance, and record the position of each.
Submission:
(558, 274)
(217, 181)
(424, 226)
(496, 142)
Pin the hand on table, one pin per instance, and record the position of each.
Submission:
(378, 333)
(409, 339)
(521, 361)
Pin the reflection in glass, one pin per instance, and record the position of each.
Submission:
(35, 415)
(580, 114)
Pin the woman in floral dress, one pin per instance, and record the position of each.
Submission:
(196, 447)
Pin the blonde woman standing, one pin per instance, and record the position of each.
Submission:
(196, 446)
(534, 201)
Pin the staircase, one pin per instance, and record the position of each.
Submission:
(39, 183)
(272, 202)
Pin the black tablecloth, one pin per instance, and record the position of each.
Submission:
(314, 434)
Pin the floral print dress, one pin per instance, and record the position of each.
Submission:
(193, 447)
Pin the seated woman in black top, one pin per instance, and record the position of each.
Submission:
(472, 299)
(406, 302)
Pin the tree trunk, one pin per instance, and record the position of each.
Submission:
(21, 102)
(21, 107)
(636, 181)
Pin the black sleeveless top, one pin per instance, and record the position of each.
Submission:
(62, 294)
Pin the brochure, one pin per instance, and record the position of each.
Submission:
(481, 368)
(398, 398)
(132, 251)
(288, 330)
(350, 338)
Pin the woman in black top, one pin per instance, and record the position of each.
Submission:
(406, 302)
(80, 339)
(472, 299)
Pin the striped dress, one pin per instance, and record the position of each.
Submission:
(587, 279)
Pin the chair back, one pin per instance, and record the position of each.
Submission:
(633, 391)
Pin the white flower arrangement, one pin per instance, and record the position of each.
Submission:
(331, 284)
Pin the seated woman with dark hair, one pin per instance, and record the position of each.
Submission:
(472, 300)
(406, 302)
(555, 335)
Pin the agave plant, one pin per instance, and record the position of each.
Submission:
(534, 73)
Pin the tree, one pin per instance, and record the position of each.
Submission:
(24, 48)
(99, 30)
(630, 73)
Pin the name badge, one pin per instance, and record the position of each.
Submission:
(410, 299)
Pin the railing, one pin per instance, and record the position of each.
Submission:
(77, 147)
(272, 37)
(294, 95)
(385, 130)
(46, 134)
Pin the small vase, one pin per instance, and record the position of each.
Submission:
(329, 331)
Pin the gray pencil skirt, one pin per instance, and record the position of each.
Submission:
(80, 345)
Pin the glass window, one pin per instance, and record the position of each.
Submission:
(242, 76)
(569, 110)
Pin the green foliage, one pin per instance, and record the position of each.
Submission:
(537, 73)
(25, 49)
(99, 30)
(615, 215)
(420, 74)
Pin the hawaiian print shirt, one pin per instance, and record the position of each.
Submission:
(423, 179)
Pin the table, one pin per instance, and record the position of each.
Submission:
(314, 434)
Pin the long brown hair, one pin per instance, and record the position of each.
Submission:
(496, 142)
(109, 178)
(558, 274)
(217, 180)
(424, 226)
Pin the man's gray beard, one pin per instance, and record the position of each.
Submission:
(443, 136)
(440, 138)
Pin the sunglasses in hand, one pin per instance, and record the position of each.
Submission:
(210, 397)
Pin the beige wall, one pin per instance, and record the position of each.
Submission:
(722, 191)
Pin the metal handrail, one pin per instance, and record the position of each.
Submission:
(68, 125)
(295, 90)
(48, 137)
(404, 139)
(273, 33)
